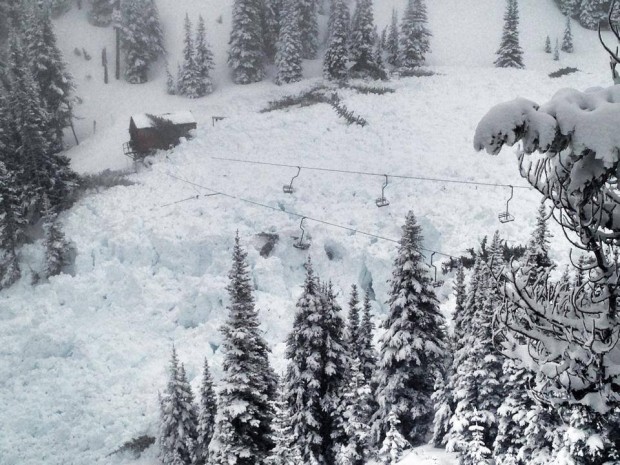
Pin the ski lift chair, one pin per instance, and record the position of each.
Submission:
(382, 201)
(506, 217)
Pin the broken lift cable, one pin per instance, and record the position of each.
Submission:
(298, 215)
(367, 173)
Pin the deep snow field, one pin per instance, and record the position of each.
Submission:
(84, 355)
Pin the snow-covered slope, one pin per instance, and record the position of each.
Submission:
(84, 356)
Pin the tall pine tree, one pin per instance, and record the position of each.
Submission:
(393, 43)
(415, 35)
(412, 346)
(178, 423)
(207, 410)
(189, 82)
(142, 38)
(361, 41)
(309, 28)
(367, 352)
(248, 385)
(289, 45)
(336, 57)
(510, 54)
(204, 58)
(317, 364)
(246, 56)
(567, 39)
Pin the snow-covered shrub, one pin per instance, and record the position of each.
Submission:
(570, 335)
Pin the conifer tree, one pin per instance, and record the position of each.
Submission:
(271, 16)
(56, 246)
(336, 57)
(189, 82)
(367, 352)
(542, 436)
(207, 410)
(556, 51)
(477, 366)
(392, 46)
(567, 39)
(142, 38)
(317, 364)
(171, 83)
(203, 59)
(413, 344)
(248, 385)
(592, 13)
(100, 13)
(443, 396)
(570, 7)
(356, 414)
(54, 82)
(178, 423)
(415, 35)
(9, 198)
(289, 45)
(353, 323)
(510, 54)
(361, 39)
(308, 28)
(548, 48)
(246, 56)
(394, 443)
(284, 452)
(477, 452)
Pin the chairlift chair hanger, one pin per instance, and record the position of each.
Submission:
(301, 244)
(288, 188)
(382, 201)
(506, 217)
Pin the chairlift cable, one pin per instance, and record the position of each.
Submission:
(368, 173)
(298, 215)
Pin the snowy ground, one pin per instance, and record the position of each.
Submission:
(84, 356)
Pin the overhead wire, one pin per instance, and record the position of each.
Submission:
(369, 173)
(298, 215)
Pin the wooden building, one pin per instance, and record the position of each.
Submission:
(153, 132)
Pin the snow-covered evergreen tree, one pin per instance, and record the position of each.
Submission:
(415, 35)
(412, 346)
(392, 46)
(556, 51)
(289, 45)
(55, 243)
(207, 410)
(352, 334)
(593, 12)
(178, 422)
(548, 48)
(477, 452)
(9, 208)
(336, 57)
(246, 56)
(203, 59)
(477, 366)
(443, 396)
(367, 352)
(285, 452)
(189, 82)
(587, 440)
(271, 14)
(308, 28)
(361, 41)
(171, 83)
(567, 39)
(248, 384)
(142, 38)
(570, 7)
(355, 418)
(100, 13)
(317, 365)
(54, 82)
(510, 54)
(394, 443)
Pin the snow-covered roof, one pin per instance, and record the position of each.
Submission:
(143, 121)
